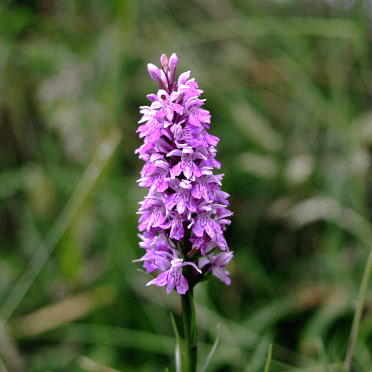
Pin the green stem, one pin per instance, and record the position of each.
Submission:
(189, 324)
(358, 312)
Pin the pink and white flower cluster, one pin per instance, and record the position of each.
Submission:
(185, 212)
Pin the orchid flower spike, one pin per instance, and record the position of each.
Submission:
(184, 215)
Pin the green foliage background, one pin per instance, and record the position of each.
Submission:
(289, 87)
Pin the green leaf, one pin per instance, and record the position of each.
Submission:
(358, 312)
(268, 360)
(145, 273)
(70, 249)
(178, 359)
(180, 351)
(213, 348)
(257, 359)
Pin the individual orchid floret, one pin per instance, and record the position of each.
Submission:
(218, 194)
(197, 115)
(191, 89)
(202, 186)
(167, 105)
(152, 130)
(175, 224)
(153, 213)
(204, 222)
(173, 277)
(218, 265)
(182, 199)
(151, 159)
(187, 165)
(205, 244)
(209, 157)
(196, 136)
(158, 180)
(154, 260)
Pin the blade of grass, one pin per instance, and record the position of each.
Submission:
(178, 359)
(269, 356)
(358, 312)
(2, 366)
(213, 348)
(257, 359)
(183, 359)
(104, 153)
(62, 312)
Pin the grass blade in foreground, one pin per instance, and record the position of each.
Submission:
(358, 312)
(268, 360)
(213, 349)
(182, 355)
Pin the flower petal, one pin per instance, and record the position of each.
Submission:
(182, 286)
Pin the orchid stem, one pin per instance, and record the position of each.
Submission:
(189, 324)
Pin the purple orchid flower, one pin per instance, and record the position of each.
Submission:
(218, 265)
(204, 222)
(182, 199)
(197, 115)
(185, 211)
(187, 164)
(177, 230)
(202, 187)
(158, 181)
(166, 105)
(173, 277)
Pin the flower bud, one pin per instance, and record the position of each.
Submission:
(164, 62)
(173, 62)
(153, 71)
(152, 97)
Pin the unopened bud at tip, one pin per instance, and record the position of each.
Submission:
(173, 62)
(164, 62)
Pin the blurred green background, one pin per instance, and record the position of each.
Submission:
(289, 87)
